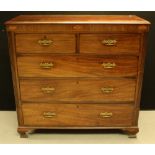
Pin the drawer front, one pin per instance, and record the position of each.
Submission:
(76, 66)
(45, 43)
(77, 115)
(97, 90)
(110, 43)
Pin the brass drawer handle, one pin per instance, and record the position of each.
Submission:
(107, 90)
(48, 90)
(45, 42)
(46, 65)
(106, 114)
(109, 42)
(108, 65)
(49, 114)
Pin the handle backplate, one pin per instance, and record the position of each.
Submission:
(109, 42)
(46, 65)
(49, 114)
(47, 90)
(45, 42)
(106, 114)
(107, 90)
(109, 65)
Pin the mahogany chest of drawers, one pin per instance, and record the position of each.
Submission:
(77, 71)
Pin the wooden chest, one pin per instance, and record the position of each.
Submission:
(77, 71)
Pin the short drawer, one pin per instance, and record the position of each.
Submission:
(77, 115)
(45, 43)
(83, 90)
(110, 44)
(76, 66)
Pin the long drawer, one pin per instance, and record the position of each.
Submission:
(45, 43)
(76, 66)
(70, 90)
(77, 115)
(110, 44)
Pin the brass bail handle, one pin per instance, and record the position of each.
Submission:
(109, 42)
(107, 90)
(47, 90)
(106, 114)
(45, 41)
(46, 65)
(49, 114)
(109, 65)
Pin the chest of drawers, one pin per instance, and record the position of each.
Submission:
(77, 72)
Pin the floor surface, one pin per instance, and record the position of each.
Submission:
(9, 135)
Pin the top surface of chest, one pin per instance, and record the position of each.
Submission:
(77, 23)
(77, 19)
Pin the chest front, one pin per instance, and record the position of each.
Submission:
(71, 74)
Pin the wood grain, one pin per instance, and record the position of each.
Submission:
(87, 23)
(61, 43)
(77, 59)
(69, 19)
(77, 115)
(13, 59)
(69, 90)
(139, 83)
(125, 44)
(84, 28)
(76, 66)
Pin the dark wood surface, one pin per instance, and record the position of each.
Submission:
(70, 76)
